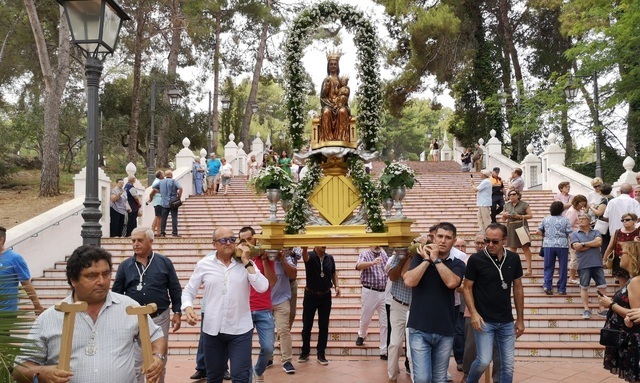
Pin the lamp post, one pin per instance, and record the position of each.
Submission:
(174, 96)
(571, 92)
(94, 26)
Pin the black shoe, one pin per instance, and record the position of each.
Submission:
(200, 374)
(270, 363)
(227, 375)
(322, 360)
(384, 356)
(303, 358)
(548, 291)
(359, 341)
(288, 368)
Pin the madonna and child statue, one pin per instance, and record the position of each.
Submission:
(335, 126)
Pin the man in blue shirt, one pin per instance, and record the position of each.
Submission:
(14, 270)
(169, 189)
(586, 242)
(148, 277)
(213, 174)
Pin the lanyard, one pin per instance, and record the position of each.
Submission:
(504, 284)
(144, 270)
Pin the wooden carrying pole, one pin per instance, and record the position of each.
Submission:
(145, 336)
(69, 310)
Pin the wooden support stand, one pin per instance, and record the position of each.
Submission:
(69, 310)
(145, 336)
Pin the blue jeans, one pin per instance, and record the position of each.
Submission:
(222, 347)
(265, 326)
(505, 335)
(430, 356)
(550, 255)
(200, 366)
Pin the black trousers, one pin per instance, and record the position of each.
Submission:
(310, 304)
(497, 206)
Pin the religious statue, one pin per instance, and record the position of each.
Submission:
(334, 100)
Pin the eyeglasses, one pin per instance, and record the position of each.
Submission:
(494, 241)
(626, 219)
(510, 194)
(224, 241)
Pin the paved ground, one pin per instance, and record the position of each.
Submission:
(370, 370)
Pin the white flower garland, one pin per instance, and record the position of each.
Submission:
(368, 46)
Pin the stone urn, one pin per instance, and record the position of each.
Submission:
(398, 195)
(273, 196)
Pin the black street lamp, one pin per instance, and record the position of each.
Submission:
(94, 26)
(571, 91)
(174, 97)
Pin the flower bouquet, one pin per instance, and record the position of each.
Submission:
(271, 177)
(396, 175)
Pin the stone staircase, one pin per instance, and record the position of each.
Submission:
(554, 326)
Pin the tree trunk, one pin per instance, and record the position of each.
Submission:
(216, 85)
(140, 16)
(172, 66)
(55, 81)
(257, 69)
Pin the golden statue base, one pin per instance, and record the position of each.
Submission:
(317, 143)
(398, 235)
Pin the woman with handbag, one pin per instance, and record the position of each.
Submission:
(555, 244)
(627, 233)
(621, 336)
(516, 213)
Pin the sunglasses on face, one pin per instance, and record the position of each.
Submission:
(224, 241)
(494, 241)
(626, 219)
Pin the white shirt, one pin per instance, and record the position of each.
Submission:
(617, 207)
(111, 340)
(464, 257)
(226, 295)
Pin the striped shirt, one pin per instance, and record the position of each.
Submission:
(398, 289)
(102, 351)
(374, 276)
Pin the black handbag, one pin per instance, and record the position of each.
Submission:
(612, 338)
(175, 203)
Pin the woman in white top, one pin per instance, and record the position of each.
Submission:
(226, 171)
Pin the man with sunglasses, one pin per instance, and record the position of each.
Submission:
(490, 275)
(434, 275)
(228, 330)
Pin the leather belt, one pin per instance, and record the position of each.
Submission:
(374, 289)
(401, 302)
(307, 290)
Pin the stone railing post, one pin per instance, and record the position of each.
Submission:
(531, 169)
(446, 154)
(240, 166)
(552, 155)
(493, 147)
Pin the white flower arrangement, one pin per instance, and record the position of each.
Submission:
(271, 177)
(368, 46)
(396, 175)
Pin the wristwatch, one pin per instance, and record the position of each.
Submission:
(162, 357)
(250, 263)
(438, 260)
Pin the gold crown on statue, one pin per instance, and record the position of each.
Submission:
(334, 55)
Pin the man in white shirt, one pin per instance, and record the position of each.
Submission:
(228, 331)
(483, 199)
(617, 207)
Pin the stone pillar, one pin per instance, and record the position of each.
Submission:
(257, 148)
(184, 158)
(446, 154)
(531, 169)
(230, 149)
(552, 155)
(493, 147)
(629, 176)
(240, 166)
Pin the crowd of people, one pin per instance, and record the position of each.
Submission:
(435, 299)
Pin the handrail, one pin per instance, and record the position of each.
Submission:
(572, 179)
(37, 233)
